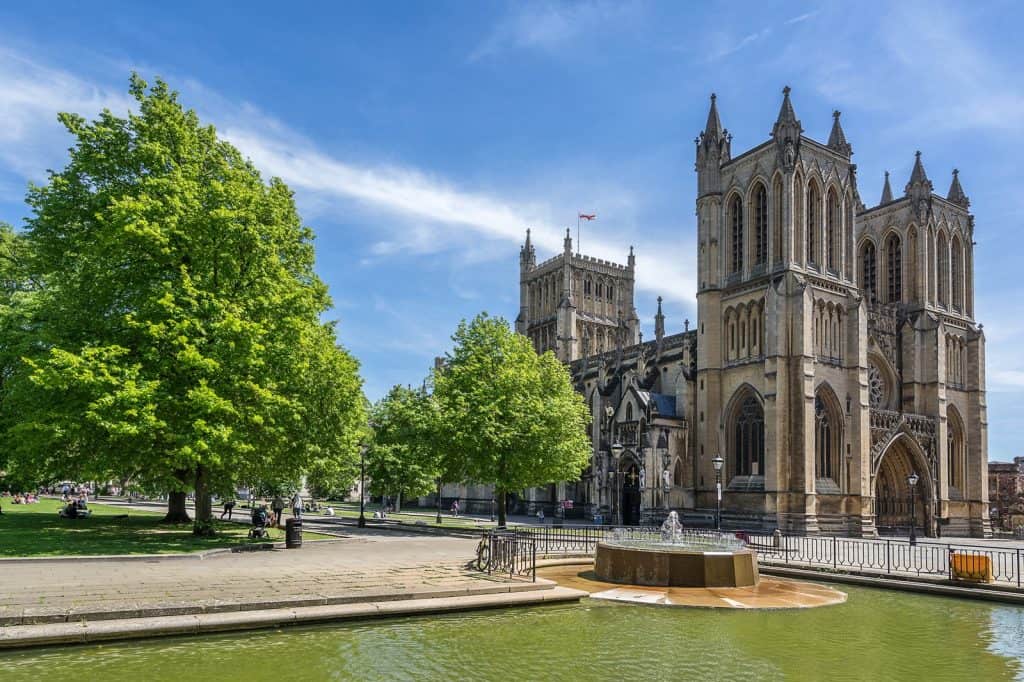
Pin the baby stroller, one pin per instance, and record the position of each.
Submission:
(260, 521)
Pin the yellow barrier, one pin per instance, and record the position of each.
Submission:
(975, 567)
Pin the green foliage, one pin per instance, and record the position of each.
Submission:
(176, 335)
(511, 418)
(403, 458)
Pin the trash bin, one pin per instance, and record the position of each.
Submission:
(293, 533)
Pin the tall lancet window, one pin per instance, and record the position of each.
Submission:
(760, 225)
(869, 272)
(832, 235)
(813, 217)
(736, 222)
(943, 276)
(956, 274)
(894, 269)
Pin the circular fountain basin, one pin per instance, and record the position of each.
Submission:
(675, 565)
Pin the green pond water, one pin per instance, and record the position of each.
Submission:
(876, 635)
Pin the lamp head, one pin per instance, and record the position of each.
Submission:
(617, 449)
(912, 479)
(717, 462)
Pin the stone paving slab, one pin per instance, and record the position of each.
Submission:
(82, 632)
(367, 566)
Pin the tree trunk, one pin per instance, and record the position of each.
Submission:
(204, 505)
(500, 497)
(176, 512)
(398, 502)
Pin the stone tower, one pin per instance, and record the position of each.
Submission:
(576, 305)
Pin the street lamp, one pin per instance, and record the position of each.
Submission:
(665, 475)
(912, 480)
(362, 487)
(717, 462)
(617, 449)
(492, 508)
(439, 499)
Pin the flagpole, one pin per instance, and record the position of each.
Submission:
(579, 249)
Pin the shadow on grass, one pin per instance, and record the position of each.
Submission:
(36, 530)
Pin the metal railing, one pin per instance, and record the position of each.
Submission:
(507, 552)
(883, 555)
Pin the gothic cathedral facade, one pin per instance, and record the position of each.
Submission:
(835, 353)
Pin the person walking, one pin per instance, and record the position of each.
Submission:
(277, 505)
(297, 506)
(229, 507)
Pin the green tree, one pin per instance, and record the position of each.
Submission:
(403, 458)
(509, 417)
(177, 333)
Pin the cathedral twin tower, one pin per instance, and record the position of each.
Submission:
(835, 353)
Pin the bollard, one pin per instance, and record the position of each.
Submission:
(293, 533)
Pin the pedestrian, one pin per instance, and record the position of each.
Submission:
(229, 506)
(455, 508)
(277, 505)
(540, 514)
(297, 505)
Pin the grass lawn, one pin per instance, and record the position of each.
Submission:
(35, 530)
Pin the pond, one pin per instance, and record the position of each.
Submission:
(875, 635)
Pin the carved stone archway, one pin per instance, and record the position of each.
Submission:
(900, 458)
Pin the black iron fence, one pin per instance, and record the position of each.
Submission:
(951, 560)
(507, 552)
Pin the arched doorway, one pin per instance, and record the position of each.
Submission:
(892, 490)
(630, 492)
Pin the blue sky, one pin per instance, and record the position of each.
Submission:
(422, 139)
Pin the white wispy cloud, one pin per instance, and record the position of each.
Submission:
(551, 26)
(425, 211)
(801, 18)
(727, 45)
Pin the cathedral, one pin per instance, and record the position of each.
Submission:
(835, 361)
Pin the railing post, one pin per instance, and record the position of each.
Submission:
(1019, 567)
(888, 558)
(533, 559)
(835, 552)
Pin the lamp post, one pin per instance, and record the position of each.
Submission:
(439, 499)
(362, 487)
(717, 462)
(665, 475)
(617, 449)
(492, 508)
(912, 481)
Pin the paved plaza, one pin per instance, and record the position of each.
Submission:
(363, 566)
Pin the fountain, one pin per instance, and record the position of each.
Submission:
(674, 557)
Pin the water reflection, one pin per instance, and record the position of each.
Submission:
(877, 635)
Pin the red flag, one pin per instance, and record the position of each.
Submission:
(584, 216)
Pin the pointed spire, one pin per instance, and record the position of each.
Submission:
(568, 241)
(837, 138)
(918, 175)
(659, 322)
(527, 254)
(786, 132)
(713, 128)
(956, 192)
(886, 190)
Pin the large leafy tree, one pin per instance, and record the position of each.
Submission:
(177, 327)
(510, 417)
(403, 457)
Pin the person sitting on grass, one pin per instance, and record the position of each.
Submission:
(70, 511)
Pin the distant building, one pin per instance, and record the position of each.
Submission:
(1006, 493)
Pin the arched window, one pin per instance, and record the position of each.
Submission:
(736, 222)
(955, 450)
(760, 225)
(832, 238)
(894, 269)
(799, 250)
(677, 473)
(943, 275)
(611, 293)
(748, 438)
(957, 274)
(600, 290)
(868, 271)
(777, 221)
(629, 412)
(586, 286)
(813, 218)
(826, 440)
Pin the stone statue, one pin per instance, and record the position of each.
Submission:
(789, 157)
(671, 529)
(643, 478)
(666, 479)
